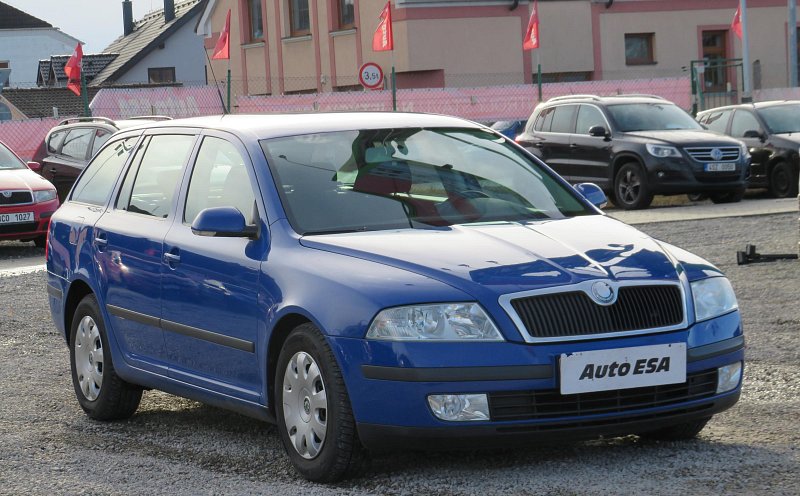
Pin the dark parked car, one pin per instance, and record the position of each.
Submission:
(771, 130)
(635, 146)
(379, 280)
(68, 147)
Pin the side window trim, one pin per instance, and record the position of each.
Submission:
(110, 199)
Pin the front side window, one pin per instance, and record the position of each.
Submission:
(219, 179)
(639, 49)
(8, 160)
(589, 116)
(96, 183)
(742, 122)
(631, 117)
(347, 14)
(149, 186)
(255, 20)
(298, 17)
(410, 179)
(76, 144)
(782, 119)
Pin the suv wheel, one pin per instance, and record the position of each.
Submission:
(631, 190)
(315, 419)
(728, 196)
(102, 394)
(782, 181)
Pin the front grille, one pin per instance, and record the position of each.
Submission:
(15, 197)
(704, 154)
(551, 404)
(18, 228)
(574, 314)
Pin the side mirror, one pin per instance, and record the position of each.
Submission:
(222, 222)
(592, 193)
(35, 167)
(752, 133)
(598, 131)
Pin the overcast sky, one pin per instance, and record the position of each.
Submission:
(95, 22)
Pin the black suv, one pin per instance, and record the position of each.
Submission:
(634, 147)
(68, 147)
(771, 130)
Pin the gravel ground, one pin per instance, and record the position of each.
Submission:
(175, 446)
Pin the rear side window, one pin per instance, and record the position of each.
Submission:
(55, 141)
(149, 187)
(95, 185)
(562, 120)
(76, 144)
(743, 121)
(716, 121)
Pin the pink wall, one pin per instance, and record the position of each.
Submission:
(25, 136)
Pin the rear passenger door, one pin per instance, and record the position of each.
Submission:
(210, 284)
(559, 139)
(591, 155)
(129, 239)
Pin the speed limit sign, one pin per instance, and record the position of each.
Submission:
(371, 76)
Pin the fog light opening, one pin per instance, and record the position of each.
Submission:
(459, 407)
(728, 377)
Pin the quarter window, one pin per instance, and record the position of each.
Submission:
(639, 49)
(76, 144)
(97, 182)
(55, 141)
(219, 179)
(743, 121)
(149, 187)
(298, 17)
(588, 117)
(562, 120)
(544, 120)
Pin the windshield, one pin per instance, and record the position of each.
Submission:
(651, 117)
(410, 178)
(8, 160)
(783, 119)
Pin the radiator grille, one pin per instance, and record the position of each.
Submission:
(550, 404)
(15, 197)
(574, 314)
(704, 154)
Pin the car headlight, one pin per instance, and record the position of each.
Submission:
(442, 322)
(662, 151)
(44, 195)
(713, 297)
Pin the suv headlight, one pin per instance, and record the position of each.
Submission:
(662, 151)
(713, 297)
(44, 195)
(442, 322)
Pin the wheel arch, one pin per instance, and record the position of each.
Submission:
(280, 332)
(78, 290)
(621, 159)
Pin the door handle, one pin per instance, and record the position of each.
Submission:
(52, 170)
(171, 258)
(100, 241)
(573, 145)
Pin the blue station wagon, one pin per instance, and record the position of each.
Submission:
(370, 281)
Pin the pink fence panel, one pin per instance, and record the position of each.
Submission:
(768, 94)
(189, 101)
(25, 136)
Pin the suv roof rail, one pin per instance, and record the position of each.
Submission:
(72, 120)
(568, 97)
(148, 118)
(640, 95)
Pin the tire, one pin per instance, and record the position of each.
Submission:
(319, 435)
(782, 181)
(679, 432)
(102, 394)
(631, 191)
(40, 241)
(697, 197)
(727, 197)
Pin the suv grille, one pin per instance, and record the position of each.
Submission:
(549, 404)
(705, 153)
(575, 314)
(16, 197)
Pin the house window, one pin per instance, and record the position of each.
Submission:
(298, 17)
(255, 18)
(715, 53)
(347, 15)
(4, 64)
(639, 49)
(161, 74)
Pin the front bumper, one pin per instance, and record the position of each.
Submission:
(28, 230)
(680, 176)
(388, 384)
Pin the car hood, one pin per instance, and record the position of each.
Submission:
(793, 138)
(22, 179)
(502, 258)
(686, 137)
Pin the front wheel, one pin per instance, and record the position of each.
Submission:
(782, 181)
(102, 394)
(728, 197)
(631, 191)
(315, 419)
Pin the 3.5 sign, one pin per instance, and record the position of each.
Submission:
(371, 76)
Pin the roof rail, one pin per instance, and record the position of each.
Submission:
(640, 95)
(148, 118)
(72, 120)
(569, 97)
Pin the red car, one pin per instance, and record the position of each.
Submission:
(27, 200)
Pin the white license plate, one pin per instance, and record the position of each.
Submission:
(622, 368)
(16, 218)
(720, 167)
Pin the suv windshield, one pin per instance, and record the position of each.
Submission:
(8, 160)
(410, 178)
(650, 117)
(783, 119)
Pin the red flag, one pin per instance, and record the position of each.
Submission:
(73, 70)
(382, 40)
(223, 50)
(532, 33)
(736, 25)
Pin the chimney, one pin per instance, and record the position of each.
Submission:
(169, 10)
(127, 17)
